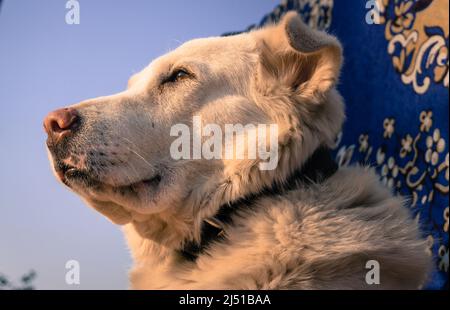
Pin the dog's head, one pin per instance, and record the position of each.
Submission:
(115, 151)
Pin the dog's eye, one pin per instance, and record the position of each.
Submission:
(176, 75)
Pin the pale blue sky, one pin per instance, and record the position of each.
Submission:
(46, 64)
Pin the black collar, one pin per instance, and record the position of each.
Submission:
(319, 167)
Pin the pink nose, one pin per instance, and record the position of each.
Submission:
(61, 123)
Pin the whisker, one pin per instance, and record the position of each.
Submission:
(136, 153)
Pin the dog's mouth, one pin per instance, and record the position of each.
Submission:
(72, 176)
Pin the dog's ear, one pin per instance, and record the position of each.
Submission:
(293, 55)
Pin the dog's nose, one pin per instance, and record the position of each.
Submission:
(61, 123)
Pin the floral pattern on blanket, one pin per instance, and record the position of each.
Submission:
(395, 85)
(414, 165)
(418, 34)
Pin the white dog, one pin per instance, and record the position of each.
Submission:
(225, 223)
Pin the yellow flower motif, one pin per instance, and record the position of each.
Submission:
(380, 156)
(389, 172)
(443, 255)
(435, 146)
(363, 143)
(406, 146)
(426, 120)
(404, 16)
(389, 127)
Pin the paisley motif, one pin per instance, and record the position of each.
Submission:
(417, 32)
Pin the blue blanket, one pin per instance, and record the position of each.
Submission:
(395, 84)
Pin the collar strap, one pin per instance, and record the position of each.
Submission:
(318, 168)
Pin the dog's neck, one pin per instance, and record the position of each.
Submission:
(187, 237)
(319, 167)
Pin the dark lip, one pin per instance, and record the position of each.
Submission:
(154, 180)
(69, 174)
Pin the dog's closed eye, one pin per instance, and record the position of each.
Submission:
(176, 75)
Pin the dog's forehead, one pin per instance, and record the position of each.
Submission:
(215, 53)
(216, 45)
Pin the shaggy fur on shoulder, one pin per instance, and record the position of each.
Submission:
(315, 236)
